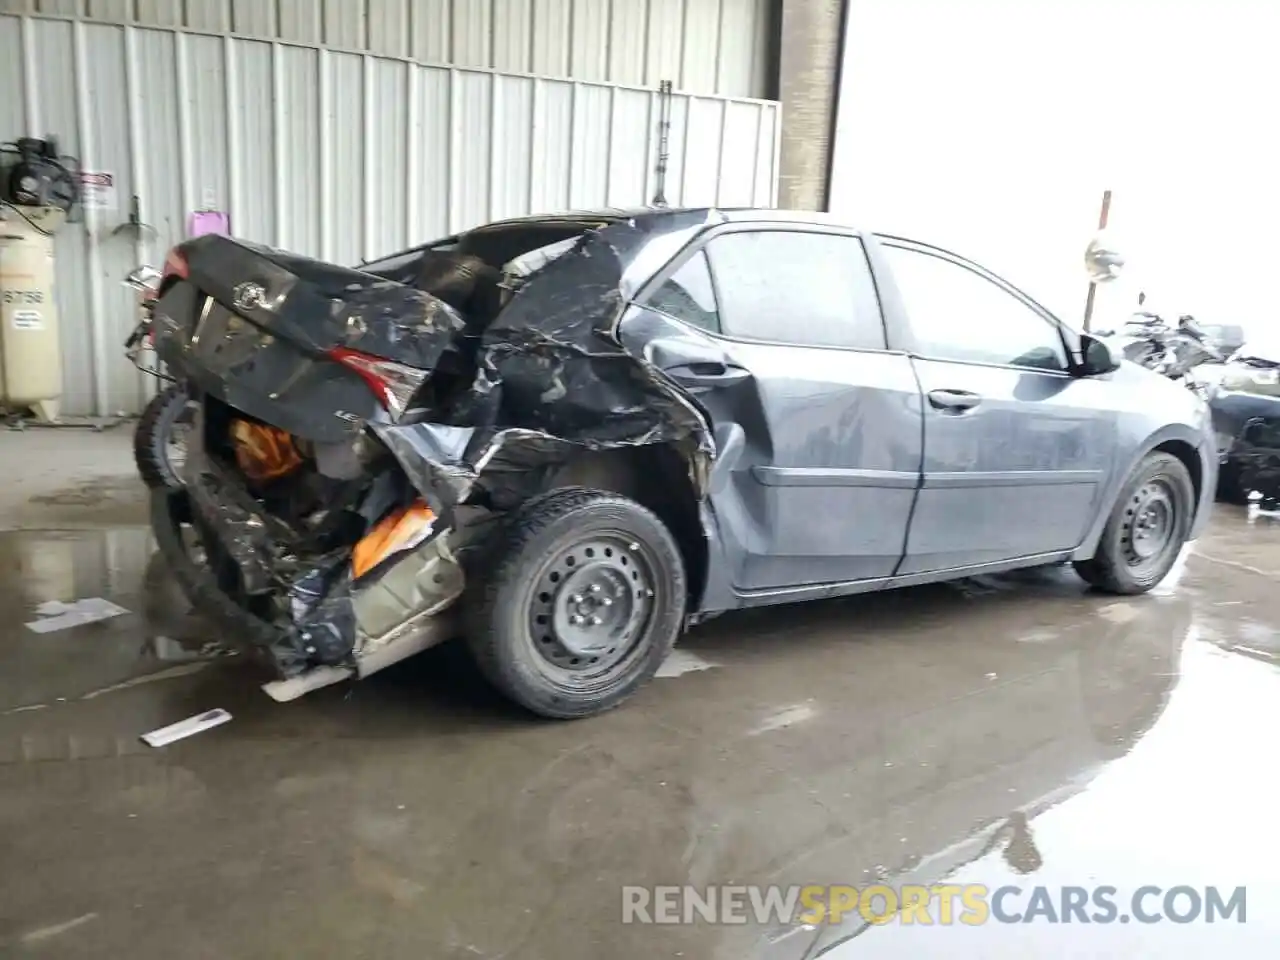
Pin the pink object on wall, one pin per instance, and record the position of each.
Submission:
(208, 221)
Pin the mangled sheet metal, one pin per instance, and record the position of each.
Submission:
(316, 309)
(548, 378)
(551, 378)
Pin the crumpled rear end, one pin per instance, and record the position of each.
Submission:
(357, 437)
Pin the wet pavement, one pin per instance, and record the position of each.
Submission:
(1007, 730)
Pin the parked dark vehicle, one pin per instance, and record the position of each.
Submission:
(594, 429)
(1246, 419)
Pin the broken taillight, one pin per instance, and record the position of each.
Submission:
(400, 530)
(394, 384)
(175, 265)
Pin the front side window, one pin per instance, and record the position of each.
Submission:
(957, 314)
(688, 295)
(802, 288)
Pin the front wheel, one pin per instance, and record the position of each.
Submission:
(160, 440)
(1146, 529)
(581, 599)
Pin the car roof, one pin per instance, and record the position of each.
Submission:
(657, 214)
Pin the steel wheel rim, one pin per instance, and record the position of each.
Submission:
(175, 448)
(591, 607)
(175, 444)
(1150, 522)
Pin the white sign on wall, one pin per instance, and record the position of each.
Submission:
(98, 190)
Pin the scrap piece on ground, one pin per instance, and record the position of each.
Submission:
(55, 615)
(186, 728)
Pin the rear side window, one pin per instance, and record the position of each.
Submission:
(689, 296)
(808, 289)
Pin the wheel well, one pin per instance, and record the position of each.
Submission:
(1190, 459)
(656, 477)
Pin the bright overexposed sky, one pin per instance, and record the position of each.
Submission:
(993, 126)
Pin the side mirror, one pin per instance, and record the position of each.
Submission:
(1097, 356)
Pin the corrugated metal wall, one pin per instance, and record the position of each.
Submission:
(339, 155)
(702, 46)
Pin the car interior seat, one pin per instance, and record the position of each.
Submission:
(465, 282)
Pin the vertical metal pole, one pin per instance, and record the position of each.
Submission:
(88, 150)
(1093, 287)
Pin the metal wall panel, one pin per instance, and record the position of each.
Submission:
(341, 155)
(589, 38)
(627, 44)
(551, 28)
(211, 15)
(512, 146)
(472, 29)
(702, 46)
(12, 110)
(251, 138)
(298, 128)
(630, 153)
(430, 170)
(469, 148)
(389, 27)
(386, 141)
(552, 124)
(344, 24)
(119, 10)
(702, 151)
(300, 21)
(512, 49)
(254, 18)
(161, 13)
(430, 30)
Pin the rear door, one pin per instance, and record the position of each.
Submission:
(777, 331)
(1016, 448)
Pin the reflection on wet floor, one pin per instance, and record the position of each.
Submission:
(417, 814)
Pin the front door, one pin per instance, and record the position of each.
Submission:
(782, 342)
(1015, 447)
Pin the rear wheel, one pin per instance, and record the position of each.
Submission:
(1146, 529)
(160, 441)
(580, 600)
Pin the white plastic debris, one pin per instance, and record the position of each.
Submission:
(186, 728)
(56, 615)
(680, 662)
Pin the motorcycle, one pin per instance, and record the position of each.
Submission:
(159, 441)
(1177, 352)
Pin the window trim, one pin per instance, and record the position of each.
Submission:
(701, 242)
(946, 256)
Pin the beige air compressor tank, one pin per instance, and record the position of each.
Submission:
(30, 352)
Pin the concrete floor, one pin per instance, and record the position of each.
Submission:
(900, 737)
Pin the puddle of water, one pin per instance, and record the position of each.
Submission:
(120, 565)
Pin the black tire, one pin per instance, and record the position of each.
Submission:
(1119, 566)
(568, 557)
(168, 411)
(1230, 486)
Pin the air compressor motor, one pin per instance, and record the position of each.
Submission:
(37, 176)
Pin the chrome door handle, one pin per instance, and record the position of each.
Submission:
(954, 399)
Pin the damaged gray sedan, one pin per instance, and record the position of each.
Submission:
(566, 438)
